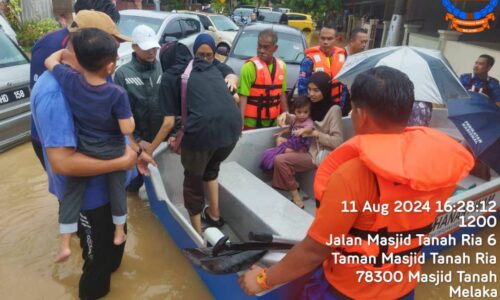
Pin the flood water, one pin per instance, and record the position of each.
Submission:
(152, 268)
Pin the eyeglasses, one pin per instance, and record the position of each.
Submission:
(205, 56)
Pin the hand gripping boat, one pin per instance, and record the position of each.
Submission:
(249, 204)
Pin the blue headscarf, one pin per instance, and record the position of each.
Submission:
(203, 38)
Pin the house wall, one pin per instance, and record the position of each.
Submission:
(424, 41)
(35, 9)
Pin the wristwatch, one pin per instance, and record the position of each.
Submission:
(262, 279)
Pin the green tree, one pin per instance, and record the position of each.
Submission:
(321, 10)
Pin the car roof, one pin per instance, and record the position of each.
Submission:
(276, 27)
(244, 8)
(155, 14)
(146, 13)
(294, 13)
(270, 12)
(202, 13)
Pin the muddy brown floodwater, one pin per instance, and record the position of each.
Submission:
(152, 268)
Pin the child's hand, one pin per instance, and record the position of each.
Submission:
(280, 140)
(54, 59)
(305, 132)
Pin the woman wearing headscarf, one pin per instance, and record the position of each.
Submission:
(327, 135)
(212, 128)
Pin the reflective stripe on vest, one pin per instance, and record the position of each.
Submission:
(320, 62)
(265, 93)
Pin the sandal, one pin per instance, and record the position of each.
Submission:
(208, 219)
(301, 207)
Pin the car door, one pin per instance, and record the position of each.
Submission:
(214, 33)
(191, 29)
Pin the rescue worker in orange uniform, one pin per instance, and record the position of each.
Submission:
(385, 162)
(329, 59)
(262, 86)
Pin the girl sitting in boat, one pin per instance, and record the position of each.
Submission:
(299, 122)
(326, 135)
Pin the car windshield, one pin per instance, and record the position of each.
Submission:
(223, 23)
(242, 12)
(270, 17)
(10, 55)
(129, 23)
(290, 47)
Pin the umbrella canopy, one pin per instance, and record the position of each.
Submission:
(433, 78)
(478, 119)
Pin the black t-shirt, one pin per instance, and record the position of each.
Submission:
(214, 119)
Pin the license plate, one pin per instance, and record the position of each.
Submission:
(14, 95)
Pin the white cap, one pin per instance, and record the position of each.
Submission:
(145, 37)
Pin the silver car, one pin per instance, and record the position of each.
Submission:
(15, 111)
(167, 25)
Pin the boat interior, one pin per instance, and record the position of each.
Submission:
(249, 203)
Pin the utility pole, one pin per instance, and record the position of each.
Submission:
(396, 27)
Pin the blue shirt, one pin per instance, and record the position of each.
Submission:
(43, 48)
(306, 70)
(54, 121)
(96, 109)
(490, 86)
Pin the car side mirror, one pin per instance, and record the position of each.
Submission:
(211, 28)
(222, 50)
(167, 39)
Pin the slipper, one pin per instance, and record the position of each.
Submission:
(207, 219)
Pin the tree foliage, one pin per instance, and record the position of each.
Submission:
(321, 10)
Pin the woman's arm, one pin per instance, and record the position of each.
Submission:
(166, 127)
(334, 137)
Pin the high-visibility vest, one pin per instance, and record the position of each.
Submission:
(264, 101)
(320, 61)
(400, 177)
(398, 162)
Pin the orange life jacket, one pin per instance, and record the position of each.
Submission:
(321, 65)
(419, 165)
(264, 101)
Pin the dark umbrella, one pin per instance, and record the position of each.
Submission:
(478, 119)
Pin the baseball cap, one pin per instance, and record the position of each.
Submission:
(145, 37)
(99, 20)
